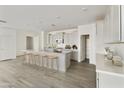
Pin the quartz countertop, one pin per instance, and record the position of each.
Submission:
(107, 67)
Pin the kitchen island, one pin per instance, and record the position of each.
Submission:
(63, 59)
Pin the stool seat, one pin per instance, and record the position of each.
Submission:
(29, 56)
(52, 57)
(44, 55)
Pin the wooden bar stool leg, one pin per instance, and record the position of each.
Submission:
(39, 60)
(25, 58)
(36, 60)
(42, 62)
(52, 67)
(57, 63)
(47, 62)
(46, 65)
(29, 58)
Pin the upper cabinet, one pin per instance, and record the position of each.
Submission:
(63, 37)
(122, 22)
(116, 20)
(112, 25)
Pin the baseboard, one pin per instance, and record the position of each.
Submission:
(7, 59)
(74, 60)
(19, 55)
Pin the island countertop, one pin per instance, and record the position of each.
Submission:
(108, 68)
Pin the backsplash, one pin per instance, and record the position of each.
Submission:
(119, 49)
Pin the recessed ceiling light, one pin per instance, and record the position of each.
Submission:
(58, 17)
(53, 25)
(84, 9)
(41, 22)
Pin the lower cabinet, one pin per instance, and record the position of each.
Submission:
(104, 80)
(74, 55)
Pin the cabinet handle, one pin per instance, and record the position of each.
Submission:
(120, 23)
(97, 80)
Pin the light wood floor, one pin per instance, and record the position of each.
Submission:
(16, 74)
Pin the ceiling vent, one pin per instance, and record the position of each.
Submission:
(2, 21)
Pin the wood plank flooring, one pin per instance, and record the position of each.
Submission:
(16, 74)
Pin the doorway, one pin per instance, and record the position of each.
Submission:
(85, 45)
(87, 48)
(29, 43)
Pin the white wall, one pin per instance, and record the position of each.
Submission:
(7, 43)
(36, 43)
(99, 37)
(89, 29)
(43, 40)
(21, 39)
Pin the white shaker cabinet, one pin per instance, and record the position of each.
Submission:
(112, 24)
(105, 80)
(116, 23)
(106, 28)
(122, 22)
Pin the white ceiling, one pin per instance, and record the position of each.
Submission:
(41, 17)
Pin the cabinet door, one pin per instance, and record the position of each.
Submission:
(110, 81)
(122, 23)
(104, 30)
(74, 55)
(116, 23)
(107, 37)
(108, 26)
(112, 24)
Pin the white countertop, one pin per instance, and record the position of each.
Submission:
(66, 51)
(108, 68)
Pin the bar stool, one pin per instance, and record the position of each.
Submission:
(24, 57)
(43, 59)
(28, 57)
(52, 59)
(36, 58)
